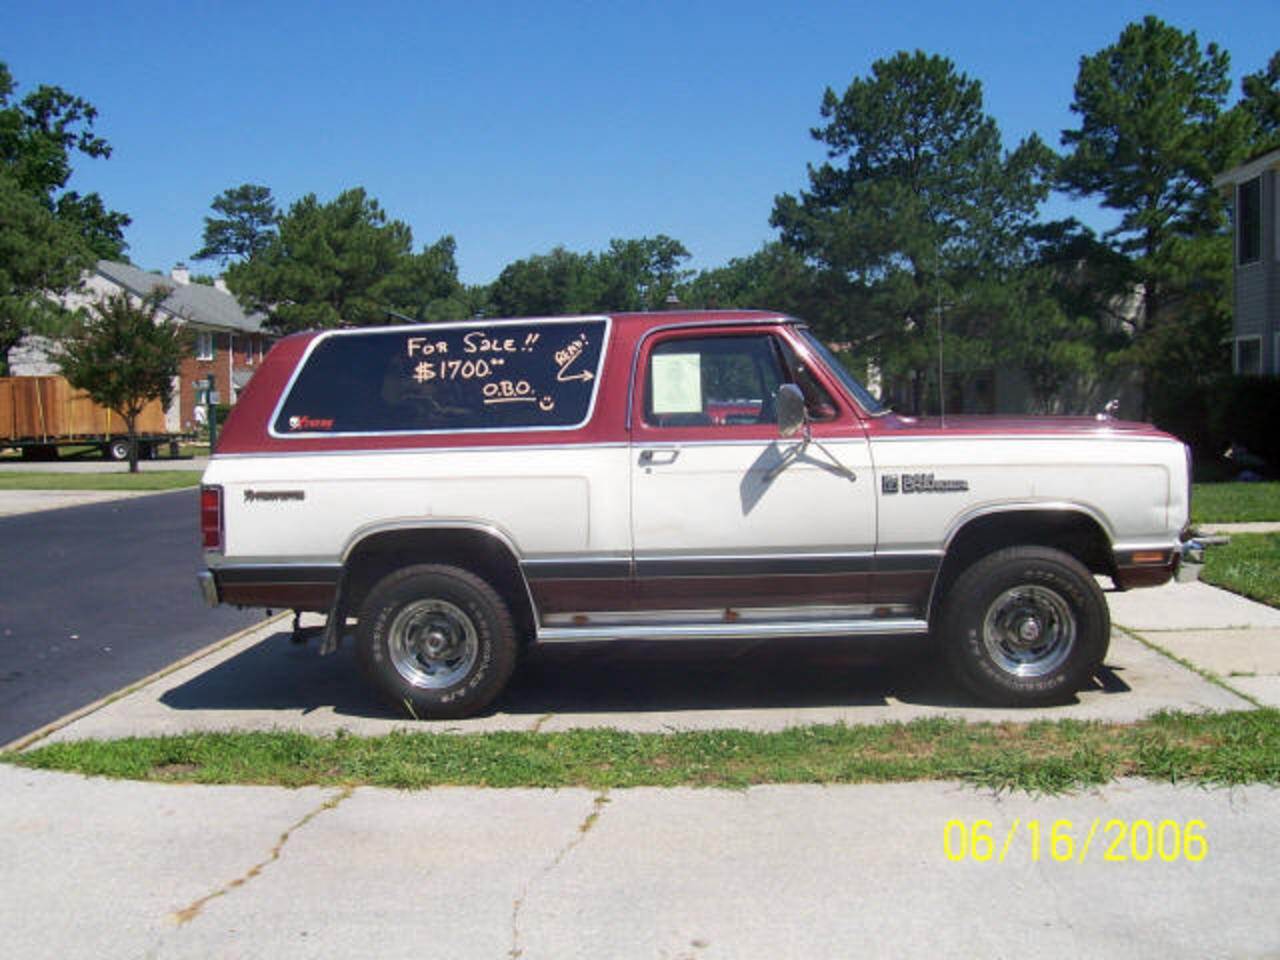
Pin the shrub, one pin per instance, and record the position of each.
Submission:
(1214, 413)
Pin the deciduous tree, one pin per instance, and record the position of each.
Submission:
(775, 277)
(633, 274)
(640, 274)
(48, 234)
(125, 354)
(547, 284)
(38, 253)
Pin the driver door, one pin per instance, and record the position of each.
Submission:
(727, 515)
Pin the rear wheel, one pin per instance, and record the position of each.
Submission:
(117, 450)
(436, 641)
(1026, 626)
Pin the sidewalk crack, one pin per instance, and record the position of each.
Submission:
(597, 808)
(190, 912)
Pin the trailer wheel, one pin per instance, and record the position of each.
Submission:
(116, 450)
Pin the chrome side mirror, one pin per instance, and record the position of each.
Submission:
(789, 402)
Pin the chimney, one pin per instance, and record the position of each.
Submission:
(180, 274)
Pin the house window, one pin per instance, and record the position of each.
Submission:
(1249, 356)
(204, 345)
(1249, 221)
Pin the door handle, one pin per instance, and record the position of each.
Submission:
(660, 457)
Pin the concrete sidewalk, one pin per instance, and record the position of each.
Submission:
(97, 868)
(1218, 632)
(14, 502)
(94, 464)
(103, 868)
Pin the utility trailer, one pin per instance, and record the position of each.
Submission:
(40, 414)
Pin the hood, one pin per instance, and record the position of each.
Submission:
(1008, 424)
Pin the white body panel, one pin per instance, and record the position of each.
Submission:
(699, 497)
(1135, 488)
(717, 498)
(543, 500)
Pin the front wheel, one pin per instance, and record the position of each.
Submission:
(436, 641)
(1026, 626)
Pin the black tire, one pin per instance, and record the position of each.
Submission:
(436, 641)
(1025, 626)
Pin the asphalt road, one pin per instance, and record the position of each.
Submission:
(93, 598)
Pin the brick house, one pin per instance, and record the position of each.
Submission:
(1253, 193)
(226, 342)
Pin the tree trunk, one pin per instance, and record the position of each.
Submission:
(131, 424)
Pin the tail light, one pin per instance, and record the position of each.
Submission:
(211, 517)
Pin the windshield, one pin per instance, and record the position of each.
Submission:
(860, 393)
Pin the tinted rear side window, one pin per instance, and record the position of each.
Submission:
(499, 376)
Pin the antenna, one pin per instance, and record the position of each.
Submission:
(937, 281)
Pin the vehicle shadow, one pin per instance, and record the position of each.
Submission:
(613, 677)
(278, 674)
(656, 676)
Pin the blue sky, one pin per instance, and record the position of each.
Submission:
(517, 127)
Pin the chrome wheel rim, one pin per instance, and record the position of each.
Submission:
(432, 643)
(1029, 631)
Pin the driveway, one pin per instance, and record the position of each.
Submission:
(261, 680)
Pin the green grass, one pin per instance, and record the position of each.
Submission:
(123, 480)
(1249, 565)
(1235, 502)
(1041, 756)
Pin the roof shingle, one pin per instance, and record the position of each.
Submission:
(194, 302)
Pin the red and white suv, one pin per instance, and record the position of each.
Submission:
(463, 489)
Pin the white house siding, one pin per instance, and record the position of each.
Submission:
(31, 358)
(1256, 286)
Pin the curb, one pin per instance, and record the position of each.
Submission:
(35, 736)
